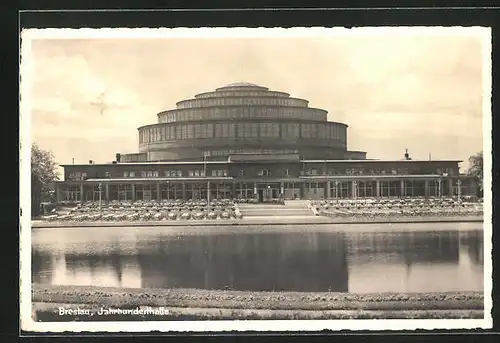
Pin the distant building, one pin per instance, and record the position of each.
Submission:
(245, 141)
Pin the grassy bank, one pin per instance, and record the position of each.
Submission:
(289, 220)
(207, 304)
(50, 312)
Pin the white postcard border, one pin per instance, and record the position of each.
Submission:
(27, 322)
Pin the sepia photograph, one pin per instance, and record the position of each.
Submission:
(255, 179)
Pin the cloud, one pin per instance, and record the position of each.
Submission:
(398, 91)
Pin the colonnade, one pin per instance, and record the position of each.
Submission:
(303, 189)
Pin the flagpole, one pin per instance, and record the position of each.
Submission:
(206, 176)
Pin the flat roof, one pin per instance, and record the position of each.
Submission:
(143, 163)
(382, 176)
(136, 179)
(226, 162)
(375, 160)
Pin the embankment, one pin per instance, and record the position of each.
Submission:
(196, 304)
(268, 220)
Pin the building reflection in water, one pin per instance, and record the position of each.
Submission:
(253, 262)
(472, 244)
(411, 262)
(324, 261)
(42, 267)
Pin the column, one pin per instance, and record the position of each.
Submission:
(208, 191)
(58, 194)
(81, 193)
(426, 187)
(158, 195)
(282, 189)
(328, 190)
(106, 193)
(255, 190)
(234, 190)
(440, 192)
(377, 188)
(184, 191)
(302, 190)
(353, 189)
(450, 187)
(403, 190)
(133, 191)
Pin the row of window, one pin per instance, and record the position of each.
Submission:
(240, 93)
(77, 176)
(242, 112)
(176, 173)
(238, 101)
(263, 172)
(355, 171)
(167, 173)
(173, 173)
(243, 130)
(374, 171)
(226, 152)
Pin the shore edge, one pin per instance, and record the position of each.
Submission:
(263, 221)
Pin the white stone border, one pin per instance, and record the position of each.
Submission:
(251, 325)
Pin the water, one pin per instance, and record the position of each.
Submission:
(352, 258)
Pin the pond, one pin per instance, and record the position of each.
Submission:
(361, 258)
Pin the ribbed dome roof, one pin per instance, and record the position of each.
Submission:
(242, 84)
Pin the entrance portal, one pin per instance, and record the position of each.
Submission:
(268, 191)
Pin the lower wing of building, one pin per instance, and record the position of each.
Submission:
(262, 177)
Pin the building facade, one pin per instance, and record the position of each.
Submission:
(241, 118)
(245, 141)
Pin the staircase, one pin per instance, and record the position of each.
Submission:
(292, 208)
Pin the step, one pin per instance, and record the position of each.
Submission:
(274, 213)
(269, 207)
(296, 203)
(264, 209)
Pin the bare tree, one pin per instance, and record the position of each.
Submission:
(43, 174)
(476, 168)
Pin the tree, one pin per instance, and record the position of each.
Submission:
(43, 174)
(476, 168)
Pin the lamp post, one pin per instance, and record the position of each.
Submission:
(355, 193)
(337, 191)
(204, 163)
(168, 191)
(206, 176)
(100, 196)
(325, 173)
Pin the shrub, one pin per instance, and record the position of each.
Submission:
(198, 215)
(185, 215)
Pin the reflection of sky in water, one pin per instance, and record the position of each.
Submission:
(403, 261)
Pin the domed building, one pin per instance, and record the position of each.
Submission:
(242, 118)
(246, 141)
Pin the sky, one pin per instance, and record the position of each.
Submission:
(395, 91)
